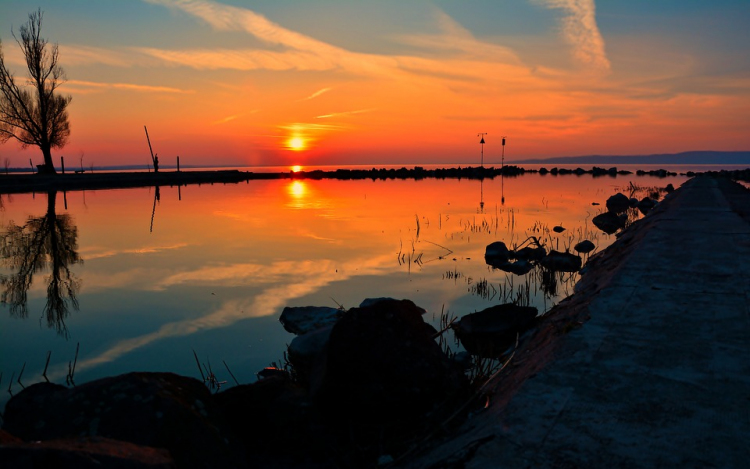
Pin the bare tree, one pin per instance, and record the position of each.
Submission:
(33, 113)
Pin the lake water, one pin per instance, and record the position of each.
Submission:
(158, 274)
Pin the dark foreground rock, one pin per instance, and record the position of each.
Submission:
(83, 453)
(159, 410)
(382, 382)
(384, 367)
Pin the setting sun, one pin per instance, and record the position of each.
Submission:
(296, 143)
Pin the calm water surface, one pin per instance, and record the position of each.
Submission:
(158, 274)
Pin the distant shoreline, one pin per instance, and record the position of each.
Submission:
(28, 183)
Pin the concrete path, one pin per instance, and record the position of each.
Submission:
(659, 376)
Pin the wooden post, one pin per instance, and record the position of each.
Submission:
(62, 163)
(178, 163)
(31, 164)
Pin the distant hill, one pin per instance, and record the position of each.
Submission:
(685, 158)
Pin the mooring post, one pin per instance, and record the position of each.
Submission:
(62, 163)
(178, 163)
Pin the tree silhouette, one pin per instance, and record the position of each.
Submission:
(49, 241)
(35, 114)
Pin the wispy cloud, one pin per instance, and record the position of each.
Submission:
(345, 113)
(80, 86)
(316, 94)
(99, 253)
(581, 31)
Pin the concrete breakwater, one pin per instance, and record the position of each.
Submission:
(647, 365)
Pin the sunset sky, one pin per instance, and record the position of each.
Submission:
(339, 82)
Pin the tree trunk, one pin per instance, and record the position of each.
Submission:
(49, 166)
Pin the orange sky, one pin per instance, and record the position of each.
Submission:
(221, 83)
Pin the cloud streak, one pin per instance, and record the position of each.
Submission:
(80, 86)
(581, 31)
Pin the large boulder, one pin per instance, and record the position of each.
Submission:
(303, 319)
(618, 203)
(306, 354)
(385, 368)
(490, 332)
(274, 422)
(160, 410)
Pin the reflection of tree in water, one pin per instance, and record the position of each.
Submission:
(49, 241)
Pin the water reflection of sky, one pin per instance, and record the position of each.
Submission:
(216, 268)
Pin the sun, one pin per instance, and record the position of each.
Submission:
(296, 143)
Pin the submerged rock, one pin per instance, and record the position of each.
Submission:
(519, 267)
(529, 253)
(490, 332)
(557, 261)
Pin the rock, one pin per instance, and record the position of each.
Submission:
(519, 267)
(561, 262)
(383, 366)
(305, 351)
(303, 319)
(609, 222)
(646, 204)
(6, 437)
(372, 301)
(558, 229)
(161, 410)
(618, 203)
(530, 254)
(274, 423)
(490, 332)
(496, 252)
(83, 453)
(669, 189)
(584, 246)
(633, 202)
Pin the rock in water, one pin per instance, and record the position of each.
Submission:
(490, 332)
(646, 204)
(584, 246)
(561, 262)
(618, 203)
(496, 252)
(609, 222)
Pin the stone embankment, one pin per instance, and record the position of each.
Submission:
(647, 365)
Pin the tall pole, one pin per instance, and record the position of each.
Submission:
(502, 161)
(481, 142)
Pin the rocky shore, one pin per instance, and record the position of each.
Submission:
(24, 183)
